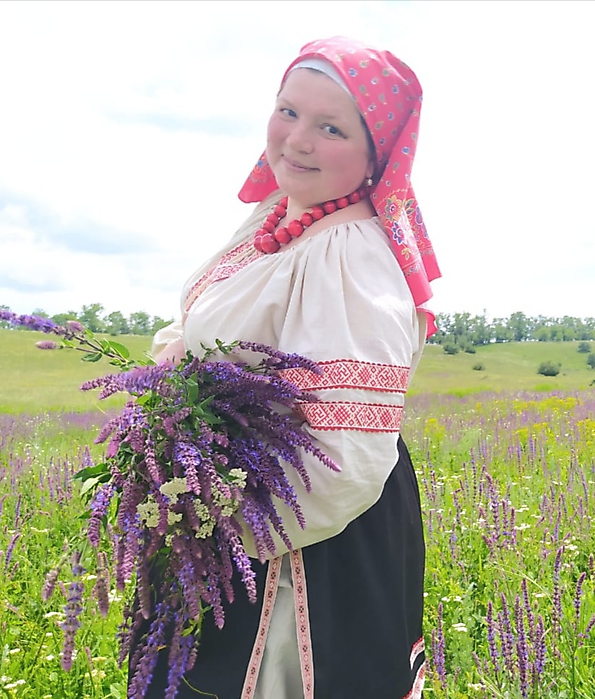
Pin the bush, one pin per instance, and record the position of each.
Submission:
(584, 347)
(451, 349)
(591, 360)
(469, 349)
(549, 368)
(478, 367)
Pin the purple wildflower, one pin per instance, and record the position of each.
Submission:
(102, 584)
(50, 583)
(72, 610)
(10, 549)
(521, 647)
(438, 654)
(142, 670)
(47, 345)
(577, 598)
(557, 596)
(493, 648)
(506, 636)
(74, 326)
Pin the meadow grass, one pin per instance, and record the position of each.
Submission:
(507, 480)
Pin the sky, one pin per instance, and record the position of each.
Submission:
(127, 129)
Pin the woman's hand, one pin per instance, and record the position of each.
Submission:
(173, 352)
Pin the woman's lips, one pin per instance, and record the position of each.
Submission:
(297, 167)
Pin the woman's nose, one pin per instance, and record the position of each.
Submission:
(300, 139)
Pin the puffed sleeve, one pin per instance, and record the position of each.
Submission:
(345, 304)
(166, 337)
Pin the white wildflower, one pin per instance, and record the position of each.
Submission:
(173, 488)
(173, 517)
(461, 628)
(238, 477)
(148, 512)
(14, 685)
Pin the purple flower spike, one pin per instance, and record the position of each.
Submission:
(47, 345)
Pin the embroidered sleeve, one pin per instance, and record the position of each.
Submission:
(350, 310)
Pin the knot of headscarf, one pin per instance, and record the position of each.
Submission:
(389, 98)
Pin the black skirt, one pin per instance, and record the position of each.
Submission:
(365, 607)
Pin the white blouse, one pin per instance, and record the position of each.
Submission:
(340, 298)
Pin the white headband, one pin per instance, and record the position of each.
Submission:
(325, 67)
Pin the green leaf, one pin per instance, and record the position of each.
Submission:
(92, 357)
(92, 471)
(122, 350)
(88, 484)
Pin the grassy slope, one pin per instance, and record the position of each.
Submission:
(508, 366)
(34, 381)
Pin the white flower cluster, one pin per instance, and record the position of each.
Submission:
(148, 511)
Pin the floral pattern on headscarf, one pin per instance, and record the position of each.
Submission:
(389, 98)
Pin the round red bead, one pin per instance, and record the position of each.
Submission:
(329, 207)
(317, 213)
(282, 235)
(354, 198)
(279, 211)
(258, 243)
(342, 202)
(306, 219)
(295, 228)
(269, 226)
(269, 244)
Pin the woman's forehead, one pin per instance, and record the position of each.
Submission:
(317, 88)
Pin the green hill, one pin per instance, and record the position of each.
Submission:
(35, 380)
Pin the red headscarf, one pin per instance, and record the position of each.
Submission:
(389, 98)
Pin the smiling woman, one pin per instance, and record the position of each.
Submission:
(333, 264)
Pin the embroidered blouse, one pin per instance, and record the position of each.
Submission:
(339, 298)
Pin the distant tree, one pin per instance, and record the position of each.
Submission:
(591, 360)
(584, 347)
(542, 334)
(140, 323)
(549, 368)
(501, 331)
(62, 318)
(116, 324)
(520, 326)
(39, 312)
(89, 317)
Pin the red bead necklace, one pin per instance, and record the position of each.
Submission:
(269, 239)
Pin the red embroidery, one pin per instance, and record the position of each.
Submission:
(364, 417)
(270, 594)
(302, 619)
(350, 373)
(418, 683)
(418, 647)
(228, 265)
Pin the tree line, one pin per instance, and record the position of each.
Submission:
(95, 319)
(465, 331)
(461, 330)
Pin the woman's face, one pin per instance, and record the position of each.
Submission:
(316, 143)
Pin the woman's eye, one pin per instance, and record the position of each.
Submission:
(332, 130)
(288, 112)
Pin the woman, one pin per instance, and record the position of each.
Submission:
(333, 264)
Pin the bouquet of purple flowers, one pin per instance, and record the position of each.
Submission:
(197, 457)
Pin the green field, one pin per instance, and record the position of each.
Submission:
(505, 460)
(35, 380)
